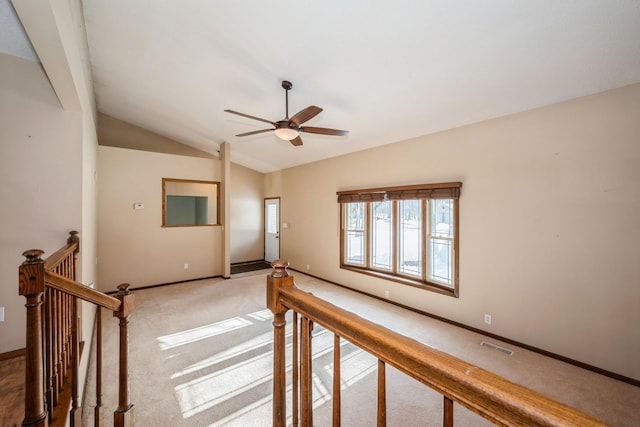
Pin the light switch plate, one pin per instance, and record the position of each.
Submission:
(1, 314)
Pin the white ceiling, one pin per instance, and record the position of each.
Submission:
(385, 71)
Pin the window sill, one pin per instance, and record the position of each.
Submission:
(427, 286)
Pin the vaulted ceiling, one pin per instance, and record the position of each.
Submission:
(385, 71)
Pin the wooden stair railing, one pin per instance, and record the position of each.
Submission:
(489, 395)
(54, 336)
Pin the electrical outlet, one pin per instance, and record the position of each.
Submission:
(386, 294)
(308, 267)
(1, 314)
(487, 319)
(186, 266)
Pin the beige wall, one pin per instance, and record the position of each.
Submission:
(41, 175)
(132, 245)
(117, 133)
(58, 191)
(549, 224)
(247, 235)
(273, 184)
(246, 185)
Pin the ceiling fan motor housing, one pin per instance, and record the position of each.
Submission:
(286, 124)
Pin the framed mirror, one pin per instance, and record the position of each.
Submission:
(190, 203)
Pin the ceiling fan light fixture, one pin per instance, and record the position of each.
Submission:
(286, 133)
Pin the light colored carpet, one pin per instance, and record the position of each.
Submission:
(201, 355)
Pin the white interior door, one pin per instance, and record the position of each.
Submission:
(271, 229)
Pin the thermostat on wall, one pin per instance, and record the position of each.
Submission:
(138, 206)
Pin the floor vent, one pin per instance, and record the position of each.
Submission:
(497, 347)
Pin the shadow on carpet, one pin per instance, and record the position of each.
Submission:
(249, 266)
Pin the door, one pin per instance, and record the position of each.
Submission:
(271, 229)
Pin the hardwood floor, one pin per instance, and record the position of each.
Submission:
(12, 396)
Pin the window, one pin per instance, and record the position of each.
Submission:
(407, 234)
(354, 217)
(190, 203)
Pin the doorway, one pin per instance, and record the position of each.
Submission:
(271, 229)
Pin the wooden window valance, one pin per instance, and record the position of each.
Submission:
(446, 190)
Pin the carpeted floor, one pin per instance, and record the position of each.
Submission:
(201, 355)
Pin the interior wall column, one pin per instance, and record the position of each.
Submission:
(225, 156)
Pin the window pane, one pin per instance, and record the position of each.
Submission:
(442, 217)
(355, 216)
(272, 217)
(440, 265)
(381, 220)
(354, 236)
(410, 244)
(355, 247)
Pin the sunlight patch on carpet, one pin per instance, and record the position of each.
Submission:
(245, 347)
(210, 390)
(251, 415)
(203, 332)
(252, 376)
(354, 367)
(255, 413)
(262, 315)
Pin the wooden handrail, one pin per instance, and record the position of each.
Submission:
(489, 395)
(81, 291)
(72, 246)
(54, 335)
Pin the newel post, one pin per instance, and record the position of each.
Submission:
(123, 415)
(74, 238)
(278, 279)
(31, 285)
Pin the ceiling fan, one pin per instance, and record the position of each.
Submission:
(289, 128)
